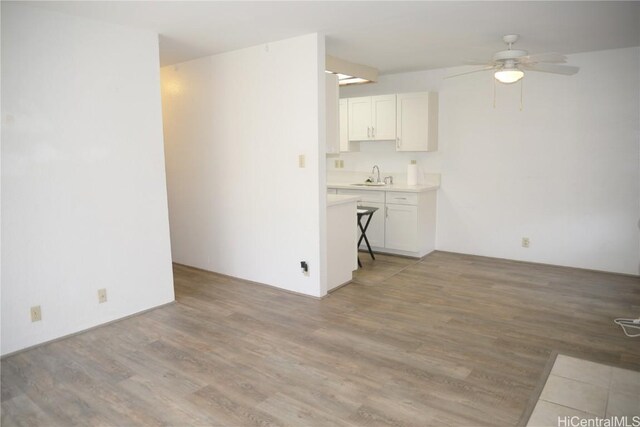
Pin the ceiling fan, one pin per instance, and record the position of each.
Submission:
(510, 64)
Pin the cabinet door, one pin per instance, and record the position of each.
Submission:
(375, 232)
(332, 117)
(344, 125)
(401, 228)
(359, 118)
(384, 117)
(417, 122)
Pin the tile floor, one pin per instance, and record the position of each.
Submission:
(587, 390)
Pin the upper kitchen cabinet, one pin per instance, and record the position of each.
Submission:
(359, 114)
(333, 111)
(372, 118)
(344, 125)
(417, 121)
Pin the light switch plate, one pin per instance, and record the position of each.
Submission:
(301, 160)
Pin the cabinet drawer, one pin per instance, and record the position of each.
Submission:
(401, 198)
(365, 195)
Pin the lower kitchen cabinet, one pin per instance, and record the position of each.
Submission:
(405, 222)
(401, 228)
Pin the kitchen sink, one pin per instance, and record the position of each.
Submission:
(370, 184)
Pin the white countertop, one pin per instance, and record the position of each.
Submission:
(393, 187)
(337, 199)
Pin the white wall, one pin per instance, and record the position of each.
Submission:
(83, 187)
(563, 172)
(234, 126)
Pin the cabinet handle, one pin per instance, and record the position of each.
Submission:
(368, 132)
(373, 132)
(397, 142)
(386, 211)
(400, 198)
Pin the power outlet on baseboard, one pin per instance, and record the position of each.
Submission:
(525, 242)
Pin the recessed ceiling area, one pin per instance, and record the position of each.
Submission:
(390, 36)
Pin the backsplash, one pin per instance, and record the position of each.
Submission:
(352, 177)
(358, 164)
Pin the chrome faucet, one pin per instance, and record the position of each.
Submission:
(373, 170)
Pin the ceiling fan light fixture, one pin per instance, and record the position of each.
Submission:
(508, 75)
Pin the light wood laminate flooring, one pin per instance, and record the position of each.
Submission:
(447, 340)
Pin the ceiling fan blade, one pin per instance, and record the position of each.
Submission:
(567, 70)
(552, 57)
(477, 62)
(471, 72)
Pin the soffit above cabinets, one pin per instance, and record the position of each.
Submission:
(350, 72)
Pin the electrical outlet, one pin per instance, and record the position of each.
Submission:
(304, 267)
(102, 295)
(36, 313)
(525, 242)
(336, 164)
(301, 161)
(341, 164)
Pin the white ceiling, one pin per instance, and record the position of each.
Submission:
(392, 36)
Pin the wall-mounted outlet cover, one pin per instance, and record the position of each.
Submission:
(304, 267)
(102, 295)
(36, 313)
(525, 242)
(301, 161)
